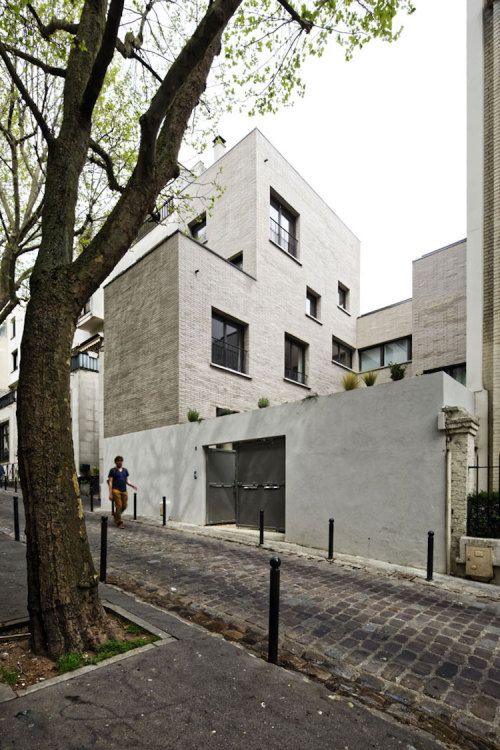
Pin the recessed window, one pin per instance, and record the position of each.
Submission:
(312, 304)
(4, 443)
(198, 228)
(341, 353)
(343, 297)
(295, 360)
(237, 260)
(15, 360)
(457, 372)
(283, 227)
(13, 328)
(392, 352)
(228, 343)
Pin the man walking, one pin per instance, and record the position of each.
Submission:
(117, 481)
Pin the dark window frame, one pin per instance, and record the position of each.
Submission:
(279, 234)
(343, 296)
(4, 442)
(314, 303)
(381, 348)
(15, 360)
(198, 228)
(341, 349)
(224, 352)
(291, 372)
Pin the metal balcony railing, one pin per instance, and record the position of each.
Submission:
(284, 239)
(151, 223)
(82, 361)
(228, 355)
(294, 374)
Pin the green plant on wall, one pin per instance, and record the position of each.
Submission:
(263, 402)
(397, 371)
(193, 415)
(369, 378)
(350, 381)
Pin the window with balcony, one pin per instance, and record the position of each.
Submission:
(392, 352)
(198, 228)
(295, 360)
(283, 227)
(228, 343)
(312, 304)
(4, 443)
(343, 297)
(341, 353)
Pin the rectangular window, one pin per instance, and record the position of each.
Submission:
(4, 443)
(198, 228)
(13, 328)
(312, 304)
(283, 227)
(457, 372)
(228, 340)
(341, 353)
(14, 360)
(343, 297)
(383, 355)
(295, 360)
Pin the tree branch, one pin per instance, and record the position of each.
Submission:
(56, 24)
(49, 69)
(106, 164)
(25, 95)
(305, 24)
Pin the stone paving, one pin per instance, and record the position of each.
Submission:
(425, 654)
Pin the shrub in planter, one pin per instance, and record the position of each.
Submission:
(350, 381)
(397, 371)
(193, 415)
(263, 402)
(369, 378)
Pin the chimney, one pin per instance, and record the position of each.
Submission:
(219, 147)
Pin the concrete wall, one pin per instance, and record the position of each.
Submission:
(373, 459)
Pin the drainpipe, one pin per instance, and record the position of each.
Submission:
(448, 513)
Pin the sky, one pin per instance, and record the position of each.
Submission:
(382, 139)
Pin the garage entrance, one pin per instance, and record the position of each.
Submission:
(246, 479)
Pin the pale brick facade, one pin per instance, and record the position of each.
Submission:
(159, 311)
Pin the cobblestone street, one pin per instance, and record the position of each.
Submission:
(425, 653)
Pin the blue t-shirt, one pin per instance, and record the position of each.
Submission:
(119, 478)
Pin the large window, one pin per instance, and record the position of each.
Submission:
(341, 353)
(295, 360)
(457, 372)
(228, 342)
(4, 443)
(392, 352)
(283, 228)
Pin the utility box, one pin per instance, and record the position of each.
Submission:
(479, 562)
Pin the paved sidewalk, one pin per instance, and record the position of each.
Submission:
(426, 653)
(190, 690)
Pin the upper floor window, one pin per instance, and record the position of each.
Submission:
(295, 360)
(457, 372)
(283, 227)
(343, 297)
(13, 328)
(383, 355)
(312, 304)
(341, 353)
(198, 228)
(15, 362)
(228, 343)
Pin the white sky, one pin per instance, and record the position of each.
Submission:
(383, 140)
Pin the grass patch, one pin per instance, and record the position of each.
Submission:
(8, 677)
(70, 662)
(131, 627)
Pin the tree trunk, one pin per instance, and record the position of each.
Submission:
(63, 603)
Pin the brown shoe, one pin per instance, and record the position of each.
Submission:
(121, 526)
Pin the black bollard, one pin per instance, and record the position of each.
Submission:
(164, 511)
(430, 555)
(6, 481)
(261, 527)
(330, 538)
(104, 548)
(135, 506)
(91, 501)
(274, 610)
(16, 518)
(15, 484)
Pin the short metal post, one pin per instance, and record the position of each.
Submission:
(16, 518)
(6, 481)
(104, 548)
(91, 501)
(274, 610)
(430, 555)
(330, 538)
(261, 527)
(15, 484)
(164, 511)
(135, 506)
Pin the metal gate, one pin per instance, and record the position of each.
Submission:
(261, 483)
(221, 484)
